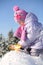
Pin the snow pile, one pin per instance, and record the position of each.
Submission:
(20, 58)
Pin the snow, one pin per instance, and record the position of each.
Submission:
(20, 58)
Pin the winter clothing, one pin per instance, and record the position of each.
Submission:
(20, 33)
(19, 14)
(15, 8)
(31, 35)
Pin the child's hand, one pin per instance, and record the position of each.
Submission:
(11, 47)
(15, 47)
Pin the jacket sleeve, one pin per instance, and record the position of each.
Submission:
(18, 33)
(23, 35)
(33, 30)
(33, 26)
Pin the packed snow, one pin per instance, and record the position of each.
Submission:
(20, 58)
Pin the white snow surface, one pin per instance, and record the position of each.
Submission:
(20, 58)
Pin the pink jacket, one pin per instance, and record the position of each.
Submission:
(20, 33)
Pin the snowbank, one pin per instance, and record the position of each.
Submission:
(20, 58)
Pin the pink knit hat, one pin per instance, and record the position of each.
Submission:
(19, 15)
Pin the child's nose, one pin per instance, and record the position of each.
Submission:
(18, 16)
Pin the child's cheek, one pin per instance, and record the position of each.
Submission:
(18, 17)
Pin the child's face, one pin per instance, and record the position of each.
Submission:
(18, 17)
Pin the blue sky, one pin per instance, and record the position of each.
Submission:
(6, 12)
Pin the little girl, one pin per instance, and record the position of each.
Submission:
(29, 32)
